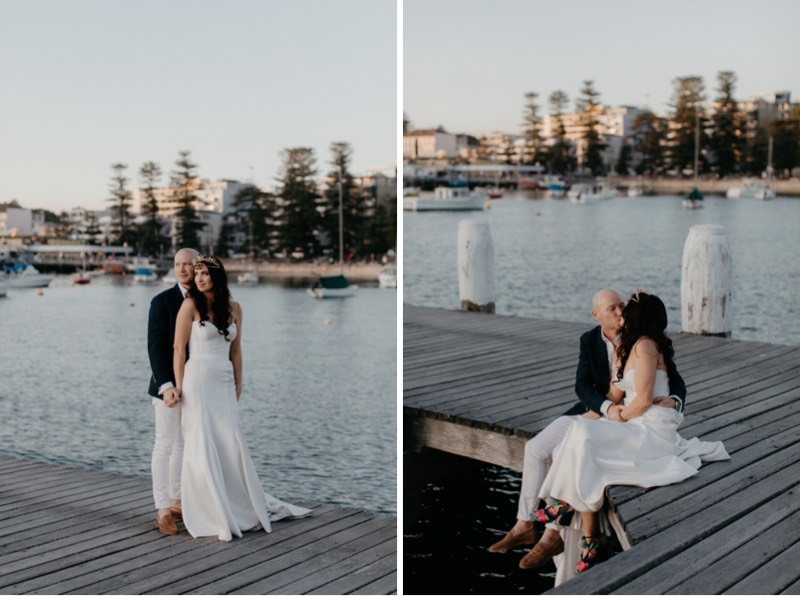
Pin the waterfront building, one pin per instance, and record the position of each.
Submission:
(216, 196)
(15, 220)
(432, 144)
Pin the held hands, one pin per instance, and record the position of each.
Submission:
(613, 413)
(171, 397)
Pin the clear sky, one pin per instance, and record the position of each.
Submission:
(467, 64)
(88, 83)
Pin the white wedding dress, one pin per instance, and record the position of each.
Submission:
(645, 451)
(221, 493)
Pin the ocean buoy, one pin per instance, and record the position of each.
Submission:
(40, 292)
(328, 322)
(132, 304)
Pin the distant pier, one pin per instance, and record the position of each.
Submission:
(81, 531)
(479, 385)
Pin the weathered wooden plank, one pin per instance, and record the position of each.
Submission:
(304, 549)
(765, 565)
(377, 578)
(714, 551)
(97, 535)
(193, 568)
(694, 526)
(336, 564)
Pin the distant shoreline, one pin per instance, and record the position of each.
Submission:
(302, 273)
(672, 186)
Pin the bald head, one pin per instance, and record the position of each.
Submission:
(607, 306)
(184, 265)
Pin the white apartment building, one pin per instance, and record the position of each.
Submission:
(15, 220)
(216, 196)
(432, 144)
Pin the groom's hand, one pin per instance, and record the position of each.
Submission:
(170, 397)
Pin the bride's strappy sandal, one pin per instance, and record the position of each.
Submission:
(590, 551)
(555, 510)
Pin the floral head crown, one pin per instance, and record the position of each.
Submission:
(208, 261)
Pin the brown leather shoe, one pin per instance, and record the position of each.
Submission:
(176, 512)
(166, 525)
(541, 555)
(511, 540)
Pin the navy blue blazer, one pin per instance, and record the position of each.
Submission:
(592, 379)
(164, 309)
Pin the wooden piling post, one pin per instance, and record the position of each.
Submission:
(706, 282)
(475, 266)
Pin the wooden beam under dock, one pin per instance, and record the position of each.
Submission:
(469, 379)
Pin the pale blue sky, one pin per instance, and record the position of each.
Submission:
(87, 83)
(468, 63)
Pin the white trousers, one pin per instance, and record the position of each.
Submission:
(167, 454)
(538, 455)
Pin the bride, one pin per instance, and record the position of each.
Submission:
(643, 448)
(222, 495)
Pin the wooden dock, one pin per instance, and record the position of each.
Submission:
(82, 531)
(480, 385)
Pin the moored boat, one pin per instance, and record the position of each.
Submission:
(249, 277)
(387, 277)
(694, 200)
(332, 286)
(446, 198)
(144, 275)
(750, 188)
(582, 193)
(30, 277)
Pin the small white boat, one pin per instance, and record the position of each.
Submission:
(751, 188)
(332, 286)
(635, 191)
(30, 277)
(583, 194)
(446, 198)
(170, 278)
(140, 263)
(411, 191)
(144, 275)
(387, 277)
(248, 277)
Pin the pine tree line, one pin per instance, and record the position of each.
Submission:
(732, 141)
(297, 220)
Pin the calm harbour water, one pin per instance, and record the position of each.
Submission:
(550, 258)
(318, 408)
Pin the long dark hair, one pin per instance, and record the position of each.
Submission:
(645, 316)
(221, 306)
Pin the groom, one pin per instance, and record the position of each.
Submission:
(168, 449)
(592, 382)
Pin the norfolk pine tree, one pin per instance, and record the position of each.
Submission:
(184, 184)
(299, 215)
(726, 133)
(121, 229)
(151, 239)
(589, 104)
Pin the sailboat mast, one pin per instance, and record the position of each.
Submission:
(696, 141)
(769, 161)
(341, 220)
